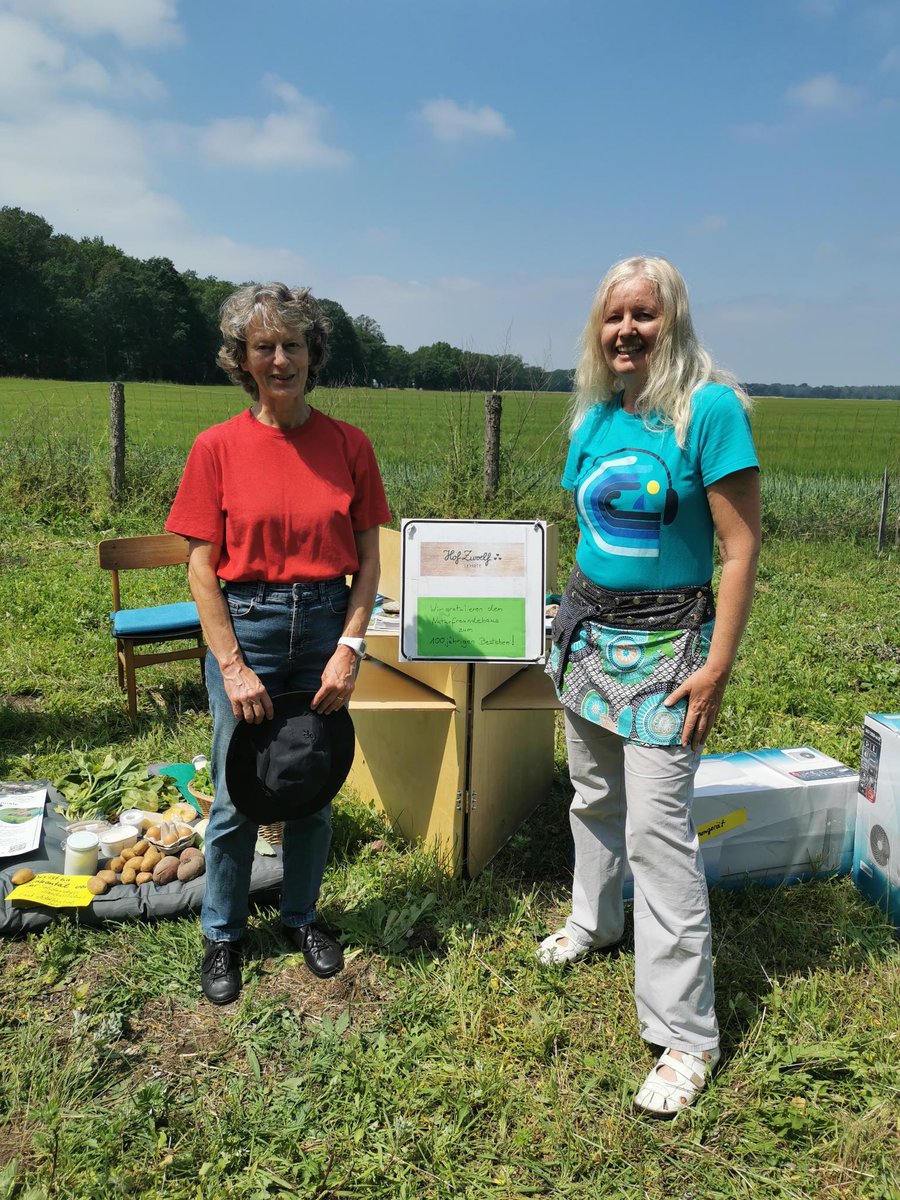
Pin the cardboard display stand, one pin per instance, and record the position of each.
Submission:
(455, 753)
(876, 856)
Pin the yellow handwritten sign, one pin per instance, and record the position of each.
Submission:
(56, 891)
(722, 824)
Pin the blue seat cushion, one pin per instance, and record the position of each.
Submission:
(161, 619)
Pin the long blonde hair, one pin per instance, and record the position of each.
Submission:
(677, 366)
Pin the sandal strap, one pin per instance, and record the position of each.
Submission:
(685, 1069)
(667, 1096)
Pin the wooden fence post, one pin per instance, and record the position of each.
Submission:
(116, 441)
(882, 524)
(493, 407)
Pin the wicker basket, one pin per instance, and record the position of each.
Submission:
(272, 833)
(204, 802)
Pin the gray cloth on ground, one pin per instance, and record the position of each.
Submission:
(123, 902)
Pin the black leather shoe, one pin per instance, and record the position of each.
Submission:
(221, 976)
(322, 953)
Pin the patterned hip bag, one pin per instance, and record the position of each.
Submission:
(617, 655)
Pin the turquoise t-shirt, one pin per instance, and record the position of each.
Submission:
(641, 501)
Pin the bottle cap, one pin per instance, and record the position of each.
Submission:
(83, 840)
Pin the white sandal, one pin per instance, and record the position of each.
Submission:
(666, 1097)
(558, 949)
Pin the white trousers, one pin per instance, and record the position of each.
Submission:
(636, 800)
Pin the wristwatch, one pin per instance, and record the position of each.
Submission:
(357, 645)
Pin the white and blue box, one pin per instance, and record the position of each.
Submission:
(876, 856)
(773, 816)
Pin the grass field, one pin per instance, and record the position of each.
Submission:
(803, 437)
(446, 1063)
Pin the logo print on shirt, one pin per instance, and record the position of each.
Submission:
(619, 501)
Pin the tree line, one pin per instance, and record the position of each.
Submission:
(82, 309)
(827, 391)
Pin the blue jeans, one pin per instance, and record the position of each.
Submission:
(287, 633)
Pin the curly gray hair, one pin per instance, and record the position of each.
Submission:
(272, 304)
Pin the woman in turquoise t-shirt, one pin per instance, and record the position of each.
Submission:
(661, 463)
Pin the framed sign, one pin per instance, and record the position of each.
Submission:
(472, 591)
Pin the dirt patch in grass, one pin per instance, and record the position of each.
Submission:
(15, 1142)
(21, 701)
(181, 1033)
(358, 987)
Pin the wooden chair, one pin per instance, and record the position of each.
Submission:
(133, 627)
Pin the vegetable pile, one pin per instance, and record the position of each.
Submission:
(202, 782)
(144, 863)
(107, 786)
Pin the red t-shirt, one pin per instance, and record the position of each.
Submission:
(282, 503)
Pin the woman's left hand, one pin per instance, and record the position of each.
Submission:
(338, 681)
(704, 690)
(734, 504)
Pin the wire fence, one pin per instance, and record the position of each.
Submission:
(802, 437)
(822, 460)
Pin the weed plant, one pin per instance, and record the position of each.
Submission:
(443, 1061)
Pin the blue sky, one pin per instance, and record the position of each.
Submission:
(467, 171)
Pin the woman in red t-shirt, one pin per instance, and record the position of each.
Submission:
(280, 504)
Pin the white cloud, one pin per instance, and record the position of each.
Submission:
(451, 122)
(714, 223)
(824, 93)
(36, 69)
(526, 316)
(285, 92)
(132, 22)
(88, 173)
(782, 337)
(279, 141)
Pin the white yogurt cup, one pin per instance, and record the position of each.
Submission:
(116, 839)
(140, 818)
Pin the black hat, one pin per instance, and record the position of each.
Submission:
(292, 765)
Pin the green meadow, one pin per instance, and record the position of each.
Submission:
(443, 1062)
(805, 437)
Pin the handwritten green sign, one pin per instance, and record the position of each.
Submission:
(470, 627)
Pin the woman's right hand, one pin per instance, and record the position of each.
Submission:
(249, 699)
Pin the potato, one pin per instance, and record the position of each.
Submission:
(150, 859)
(192, 869)
(97, 886)
(116, 864)
(109, 877)
(165, 870)
(143, 877)
(23, 875)
(140, 848)
(127, 855)
(129, 874)
(190, 852)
